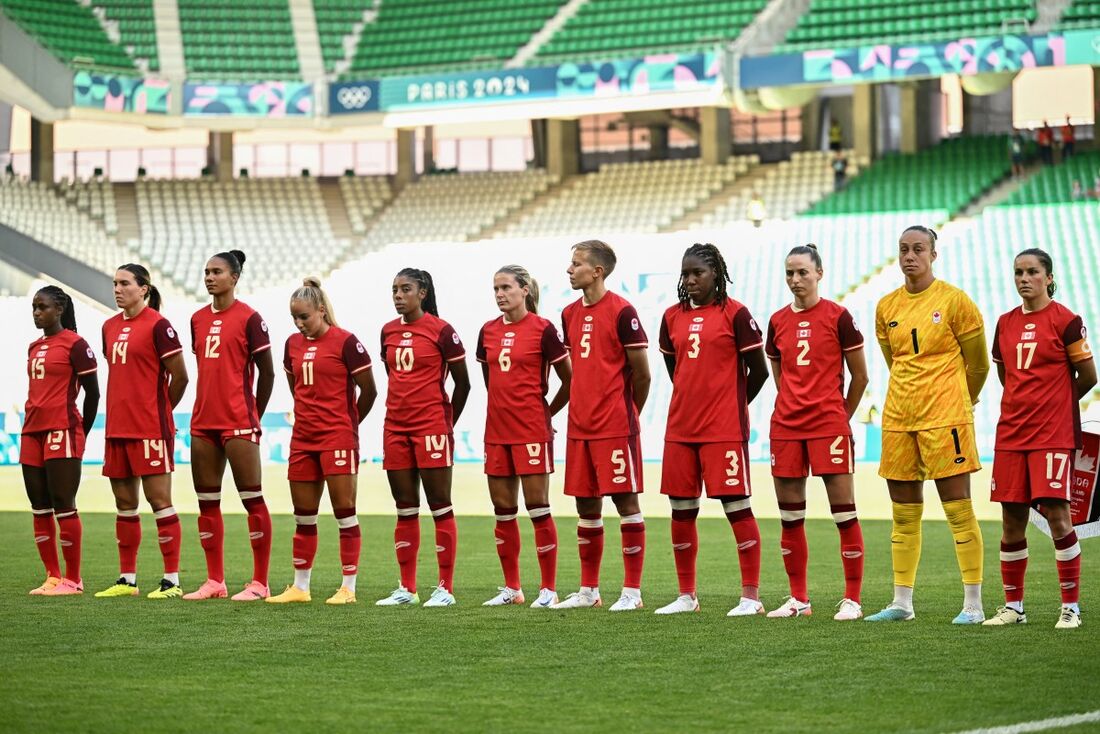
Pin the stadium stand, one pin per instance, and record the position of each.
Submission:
(837, 23)
(335, 21)
(1055, 183)
(364, 198)
(617, 26)
(136, 26)
(95, 198)
(246, 39)
(70, 31)
(1080, 14)
(425, 33)
(947, 177)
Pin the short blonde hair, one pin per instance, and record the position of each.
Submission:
(599, 253)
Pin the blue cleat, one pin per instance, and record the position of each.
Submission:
(892, 613)
(969, 615)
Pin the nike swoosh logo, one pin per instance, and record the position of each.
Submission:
(851, 554)
(632, 549)
(546, 548)
(961, 542)
(401, 544)
(255, 536)
(680, 546)
(746, 545)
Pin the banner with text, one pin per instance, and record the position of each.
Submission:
(262, 99)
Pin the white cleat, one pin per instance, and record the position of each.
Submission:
(505, 597)
(683, 603)
(583, 599)
(848, 610)
(401, 597)
(1069, 619)
(440, 598)
(969, 615)
(746, 608)
(547, 599)
(628, 602)
(791, 608)
(1005, 616)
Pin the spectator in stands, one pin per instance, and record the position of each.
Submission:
(1016, 152)
(1045, 139)
(836, 135)
(755, 210)
(1078, 191)
(840, 171)
(1069, 140)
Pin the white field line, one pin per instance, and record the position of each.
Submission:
(1058, 722)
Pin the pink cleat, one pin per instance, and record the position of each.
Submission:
(49, 583)
(65, 588)
(253, 591)
(208, 590)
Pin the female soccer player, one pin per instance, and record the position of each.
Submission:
(59, 364)
(809, 343)
(146, 378)
(419, 350)
(324, 365)
(231, 346)
(516, 352)
(933, 339)
(1046, 367)
(713, 353)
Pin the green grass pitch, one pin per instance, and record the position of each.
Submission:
(83, 664)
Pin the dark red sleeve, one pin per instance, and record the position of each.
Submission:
(194, 348)
(166, 340)
(631, 333)
(82, 358)
(664, 337)
(256, 333)
(850, 337)
(450, 345)
(286, 358)
(564, 332)
(355, 355)
(480, 351)
(553, 350)
(1074, 331)
(997, 341)
(770, 348)
(745, 331)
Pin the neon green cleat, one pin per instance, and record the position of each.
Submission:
(167, 590)
(122, 587)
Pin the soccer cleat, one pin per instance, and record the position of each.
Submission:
(49, 583)
(969, 615)
(167, 590)
(291, 595)
(848, 610)
(208, 590)
(683, 603)
(1005, 615)
(253, 591)
(583, 599)
(65, 588)
(401, 597)
(343, 595)
(791, 608)
(506, 596)
(547, 599)
(1069, 619)
(892, 613)
(746, 608)
(627, 603)
(440, 598)
(122, 587)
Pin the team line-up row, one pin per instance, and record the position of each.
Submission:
(930, 333)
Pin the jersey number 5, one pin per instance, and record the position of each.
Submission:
(586, 345)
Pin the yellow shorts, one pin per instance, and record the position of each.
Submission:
(935, 453)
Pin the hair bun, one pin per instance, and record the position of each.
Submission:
(311, 281)
(239, 255)
(812, 246)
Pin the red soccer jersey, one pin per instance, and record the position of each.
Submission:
(519, 356)
(53, 365)
(224, 343)
(601, 397)
(137, 381)
(1039, 407)
(709, 403)
(417, 358)
(809, 346)
(325, 416)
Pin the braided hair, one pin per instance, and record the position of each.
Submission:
(63, 301)
(709, 254)
(423, 279)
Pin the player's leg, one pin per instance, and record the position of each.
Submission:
(504, 494)
(405, 490)
(158, 493)
(342, 493)
(244, 461)
(726, 476)
(901, 467)
(207, 469)
(536, 498)
(581, 483)
(127, 522)
(42, 515)
(306, 486)
(619, 475)
(682, 482)
(437, 489)
(1067, 552)
(63, 481)
(1014, 554)
(840, 489)
(790, 492)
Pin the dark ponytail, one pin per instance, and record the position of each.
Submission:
(141, 277)
(63, 301)
(234, 259)
(1048, 264)
(423, 279)
(807, 249)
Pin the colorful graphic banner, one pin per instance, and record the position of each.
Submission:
(883, 62)
(114, 93)
(262, 99)
(1084, 491)
(621, 78)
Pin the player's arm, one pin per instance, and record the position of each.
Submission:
(856, 362)
(777, 371)
(265, 379)
(461, 378)
(771, 351)
(485, 374)
(976, 362)
(668, 351)
(640, 377)
(670, 365)
(756, 372)
(177, 376)
(90, 384)
(1085, 377)
(367, 393)
(564, 370)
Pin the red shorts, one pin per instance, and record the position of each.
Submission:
(220, 437)
(721, 467)
(518, 459)
(138, 457)
(404, 451)
(314, 466)
(822, 456)
(35, 449)
(602, 466)
(1027, 476)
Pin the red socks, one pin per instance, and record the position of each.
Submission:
(632, 529)
(304, 545)
(169, 537)
(685, 546)
(1067, 551)
(747, 534)
(793, 546)
(71, 532)
(45, 539)
(259, 532)
(1013, 570)
(350, 540)
(508, 544)
(212, 531)
(590, 548)
(546, 544)
(128, 534)
(446, 541)
(851, 549)
(406, 543)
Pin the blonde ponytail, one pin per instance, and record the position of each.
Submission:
(524, 279)
(312, 293)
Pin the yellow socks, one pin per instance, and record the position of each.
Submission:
(905, 540)
(968, 539)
